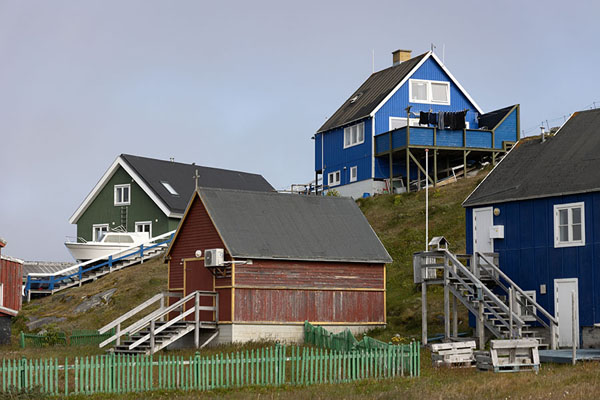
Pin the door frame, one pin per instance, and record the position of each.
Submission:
(556, 283)
(491, 209)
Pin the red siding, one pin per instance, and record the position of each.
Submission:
(290, 299)
(197, 232)
(11, 276)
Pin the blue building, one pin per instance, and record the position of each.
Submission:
(375, 142)
(539, 211)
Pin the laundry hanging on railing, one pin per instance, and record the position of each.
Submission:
(444, 119)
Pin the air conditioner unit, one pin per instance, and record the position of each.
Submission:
(214, 258)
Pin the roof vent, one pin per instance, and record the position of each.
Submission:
(355, 97)
(399, 56)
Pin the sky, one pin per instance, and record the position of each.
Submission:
(243, 85)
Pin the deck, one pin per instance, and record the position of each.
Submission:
(564, 356)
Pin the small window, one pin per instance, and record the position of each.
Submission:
(526, 312)
(399, 122)
(431, 92)
(354, 135)
(98, 231)
(569, 225)
(116, 238)
(145, 226)
(333, 178)
(170, 188)
(122, 195)
(353, 174)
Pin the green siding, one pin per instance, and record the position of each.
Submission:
(142, 208)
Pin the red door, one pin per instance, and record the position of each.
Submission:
(197, 277)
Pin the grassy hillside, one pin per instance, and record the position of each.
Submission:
(399, 221)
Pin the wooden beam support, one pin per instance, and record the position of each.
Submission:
(407, 109)
(420, 167)
(391, 160)
(454, 317)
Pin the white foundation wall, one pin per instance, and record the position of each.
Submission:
(357, 189)
(240, 333)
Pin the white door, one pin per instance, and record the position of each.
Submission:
(483, 220)
(563, 310)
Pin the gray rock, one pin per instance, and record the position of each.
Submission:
(35, 323)
(95, 301)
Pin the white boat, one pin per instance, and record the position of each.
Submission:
(110, 243)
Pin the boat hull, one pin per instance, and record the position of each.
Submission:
(90, 251)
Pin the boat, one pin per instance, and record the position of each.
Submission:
(109, 243)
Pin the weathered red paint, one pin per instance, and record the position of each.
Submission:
(11, 278)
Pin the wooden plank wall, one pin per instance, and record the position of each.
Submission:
(11, 276)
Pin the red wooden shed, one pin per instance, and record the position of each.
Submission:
(11, 286)
(288, 259)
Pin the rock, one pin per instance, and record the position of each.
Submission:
(35, 323)
(95, 301)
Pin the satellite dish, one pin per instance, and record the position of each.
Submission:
(198, 253)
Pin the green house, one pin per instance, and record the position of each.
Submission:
(139, 194)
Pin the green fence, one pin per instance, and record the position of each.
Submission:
(77, 338)
(343, 341)
(267, 366)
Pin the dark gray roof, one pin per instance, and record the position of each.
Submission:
(180, 177)
(566, 163)
(264, 225)
(491, 119)
(371, 94)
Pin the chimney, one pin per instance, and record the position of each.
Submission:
(399, 56)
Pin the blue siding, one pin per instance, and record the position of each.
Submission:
(480, 139)
(528, 256)
(450, 138)
(318, 151)
(336, 157)
(430, 70)
(507, 131)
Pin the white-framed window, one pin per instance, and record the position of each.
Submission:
(354, 135)
(526, 313)
(569, 225)
(122, 195)
(169, 188)
(430, 92)
(98, 231)
(144, 226)
(353, 173)
(400, 122)
(333, 178)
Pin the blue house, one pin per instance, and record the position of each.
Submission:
(539, 211)
(376, 142)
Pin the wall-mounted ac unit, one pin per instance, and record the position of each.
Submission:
(214, 257)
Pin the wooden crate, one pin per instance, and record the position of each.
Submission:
(456, 354)
(510, 356)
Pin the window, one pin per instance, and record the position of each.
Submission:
(569, 225)
(354, 135)
(435, 92)
(145, 226)
(98, 231)
(526, 313)
(399, 122)
(122, 195)
(333, 178)
(170, 188)
(353, 173)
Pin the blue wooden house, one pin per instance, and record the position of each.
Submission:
(538, 210)
(376, 141)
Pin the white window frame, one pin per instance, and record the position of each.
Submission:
(122, 203)
(95, 226)
(569, 242)
(330, 178)
(348, 133)
(142, 223)
(517, 306)
(429, 99)
(413, 122)
(353, 173)
(169, 188)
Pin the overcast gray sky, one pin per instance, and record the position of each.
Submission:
(242, 85)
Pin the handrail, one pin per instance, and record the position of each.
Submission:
(485, 289)
(517, 288)
(130, 313)
(76, 266)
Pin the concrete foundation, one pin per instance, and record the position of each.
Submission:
(590, 337)
(5, 330)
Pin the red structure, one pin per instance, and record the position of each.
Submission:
(288, 260)
(11, 284)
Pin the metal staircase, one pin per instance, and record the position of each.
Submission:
(50, 283)
(497, 303)
(152, 333)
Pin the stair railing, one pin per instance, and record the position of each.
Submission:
(77, 271)
(523, 299)
(159, 314)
